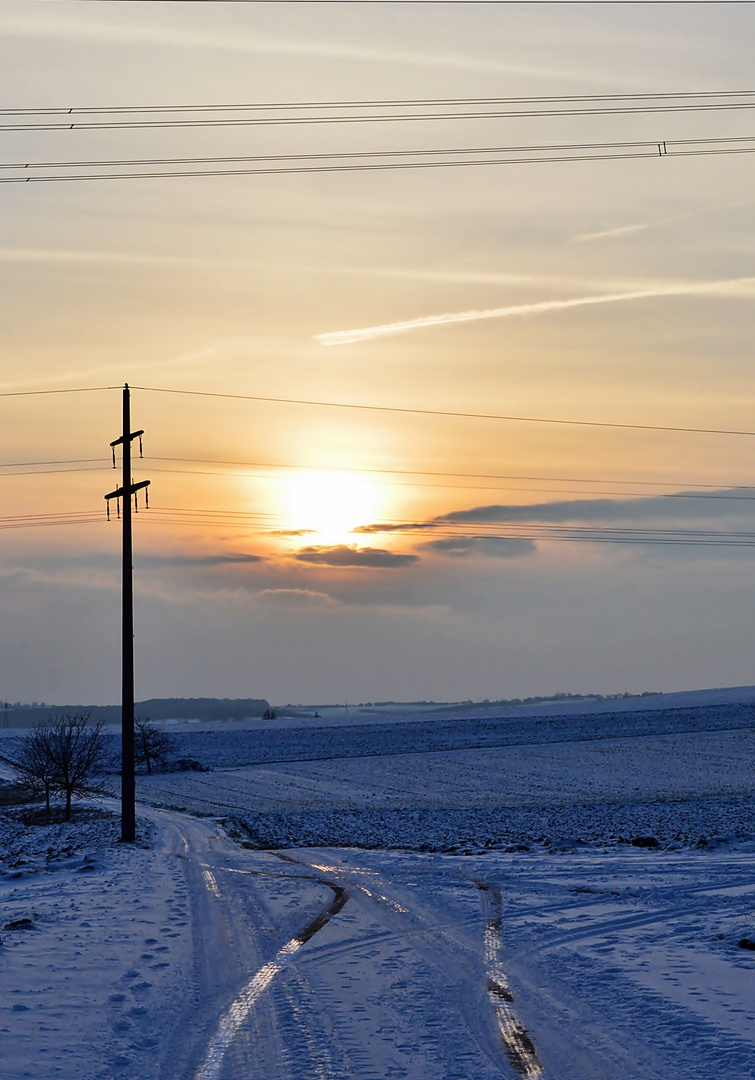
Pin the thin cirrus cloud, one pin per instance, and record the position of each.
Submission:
(609, 234)
(183, 37)
(659, 223)
(58, 255)
(728, 287)
(626, 230)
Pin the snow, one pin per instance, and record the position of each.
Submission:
(80, 985)
(682, 776)
(408, 898)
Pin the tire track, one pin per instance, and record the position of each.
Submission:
(517, 1041)
(238, 1011)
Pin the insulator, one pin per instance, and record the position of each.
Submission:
(136, 502)
(146, 497)
(107, 504)
(113, 448)
(140, 447)
(118, 507)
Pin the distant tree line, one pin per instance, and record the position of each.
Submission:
(157, 708)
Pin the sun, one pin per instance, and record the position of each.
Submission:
(330, 505)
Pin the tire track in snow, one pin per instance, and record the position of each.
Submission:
(239, 1009)
(517, 1042)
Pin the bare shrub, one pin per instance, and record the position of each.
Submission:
(153, 746)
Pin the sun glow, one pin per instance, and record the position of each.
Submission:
(328, 506)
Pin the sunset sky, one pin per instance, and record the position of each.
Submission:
(313, 553)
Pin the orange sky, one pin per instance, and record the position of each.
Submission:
(615, 292)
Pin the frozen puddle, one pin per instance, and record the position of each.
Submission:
(240, 1008)
(517, 1043)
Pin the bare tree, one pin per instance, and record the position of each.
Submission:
(77, 752)
(153, 745)
(33, 765)
(62, 756)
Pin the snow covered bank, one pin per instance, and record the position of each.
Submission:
(97, 960)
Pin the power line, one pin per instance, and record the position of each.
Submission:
(692, 95)
(399, 410)
(53, 472)
(444, 473)
(650, 147)
(708, 491)
(658, 150)
(424, 485)
(457, 414)
(712, 494)
(464, 532)
(103, 462)
(629, 106)
(54, 461)
(68, 390)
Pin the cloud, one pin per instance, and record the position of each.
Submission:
(175, 36)
(607, 234)
(715, 521)
(61, 378)
(58, 255)
(625, 230)
(298, 597)
(291, 532)
(728, 287)
(344, 555)
(659, 223)
(200, 560)
(691, 506)
(492, 546)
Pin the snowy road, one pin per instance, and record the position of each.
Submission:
(198, 959)
(579, 967)
(605, 965)
(305, 967)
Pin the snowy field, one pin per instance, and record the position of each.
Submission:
(465, 901)
(683, 776)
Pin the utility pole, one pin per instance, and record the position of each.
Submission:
(126, 491)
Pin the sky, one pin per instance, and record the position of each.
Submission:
(425, 545)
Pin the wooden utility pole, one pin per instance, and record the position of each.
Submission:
(126, 492)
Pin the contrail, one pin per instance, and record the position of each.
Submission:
(349, 337)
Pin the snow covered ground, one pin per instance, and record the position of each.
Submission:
(683, 776)
(530, 938)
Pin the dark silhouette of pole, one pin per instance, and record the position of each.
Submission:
(126, 491)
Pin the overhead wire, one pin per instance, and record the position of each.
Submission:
(455, 413)
(399, 410)
(431, 109)
(658, 150)
(376, 159)
(260, 524)
(66, 390)
(373, 103)
(717, 492)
